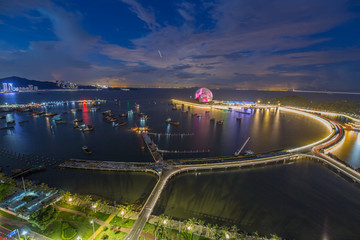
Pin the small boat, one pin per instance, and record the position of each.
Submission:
(169, 121)
(11, 122)
(86, 128)
(174, 123)
(238, 118)
(2, 116)
(50, 114)
(86, 150)
(141, 114)
(119, 124)
(37, 113)
(110, 119)
(107, 112)
(77, 120)
(8, 127)
(123, 115)
(220, 122)
(74, 110)
(60, 122)
(23, 121)
(143, 118)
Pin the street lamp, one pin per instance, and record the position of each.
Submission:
(79, 238)
(92, 222)
(94, 207)
(227, 236)
(164, 222)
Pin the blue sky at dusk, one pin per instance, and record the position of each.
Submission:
(246, 44)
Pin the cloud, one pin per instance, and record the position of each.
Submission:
(229, 43)
(145, 15)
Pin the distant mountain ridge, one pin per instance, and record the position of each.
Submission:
(23, 82)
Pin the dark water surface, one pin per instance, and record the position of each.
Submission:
(298, 201)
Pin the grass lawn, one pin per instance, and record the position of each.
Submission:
(98, 215)
(110, 234)
(81, 224)
(122, 222)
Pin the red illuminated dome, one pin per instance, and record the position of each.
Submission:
(204, 95)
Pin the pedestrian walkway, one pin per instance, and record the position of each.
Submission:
(102, 223)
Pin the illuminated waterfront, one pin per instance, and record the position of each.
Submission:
(269, 129)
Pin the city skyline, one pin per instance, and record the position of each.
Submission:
(218, 44)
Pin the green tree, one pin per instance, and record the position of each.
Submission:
(43, 217)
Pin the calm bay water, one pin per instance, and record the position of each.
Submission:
(298, 201)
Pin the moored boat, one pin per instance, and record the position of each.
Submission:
(86, 150)
(8, 127)
(23, 121)
(119, 124)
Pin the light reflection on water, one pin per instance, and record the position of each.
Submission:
(349, 151)
(299, 201)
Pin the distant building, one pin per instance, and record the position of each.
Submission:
(10, 87)
(5, 88)
(63, 84)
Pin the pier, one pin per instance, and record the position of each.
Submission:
(171, 134)
(152, 147)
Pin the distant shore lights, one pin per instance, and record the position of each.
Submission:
(204, 95)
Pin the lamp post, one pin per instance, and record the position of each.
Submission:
(122, 214)
(24, 233)
(94, 207)
(92, 222)
(79, 238)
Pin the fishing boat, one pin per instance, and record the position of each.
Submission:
(23, 121)
(123, 115)
(119, 124)
(220, 122)
(86, 128)
(8, 127)
(107, 112)
(60, 122)
(50, 114)
(86, 150)
(11, 122)
(77, 120)
(74, 110)
(169, 121)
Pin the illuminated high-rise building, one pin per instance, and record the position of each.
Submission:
(5, 88)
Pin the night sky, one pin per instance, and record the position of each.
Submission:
(245, 44)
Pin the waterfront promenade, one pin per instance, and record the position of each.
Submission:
(165, 171)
